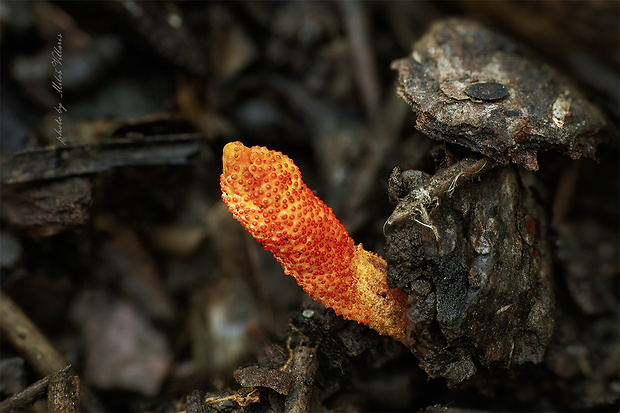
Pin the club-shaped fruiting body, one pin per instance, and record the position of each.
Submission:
(264, 191)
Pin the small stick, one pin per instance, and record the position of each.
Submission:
(26, 397)
(27, 339)
(35, 347)
(304, 369)
(359, 36)
(445, 181)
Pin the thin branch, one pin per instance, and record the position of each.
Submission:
(446, 181)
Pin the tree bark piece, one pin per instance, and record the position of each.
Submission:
(473, 87)
(477, 269)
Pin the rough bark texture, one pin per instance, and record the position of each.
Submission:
(478, 273)
(484, 91)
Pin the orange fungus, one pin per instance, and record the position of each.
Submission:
(264, 191)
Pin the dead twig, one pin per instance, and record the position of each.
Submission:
(304, 368)
(420, 199)
(35, 347)
(366, 73)
(26, 397)
(243, 397)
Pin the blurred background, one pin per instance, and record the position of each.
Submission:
(115, 242)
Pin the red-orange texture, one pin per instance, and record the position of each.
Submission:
(264, 191)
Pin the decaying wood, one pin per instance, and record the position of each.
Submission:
(479, 268)
(66, 161)
(49, 207)
(304, 366)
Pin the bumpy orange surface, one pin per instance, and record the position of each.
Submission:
(264, 191)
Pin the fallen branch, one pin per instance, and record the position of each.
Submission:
(66, 161)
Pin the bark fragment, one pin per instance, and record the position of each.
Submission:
(50, 208)
(478, 274)
(278, 380)
(486, 92)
